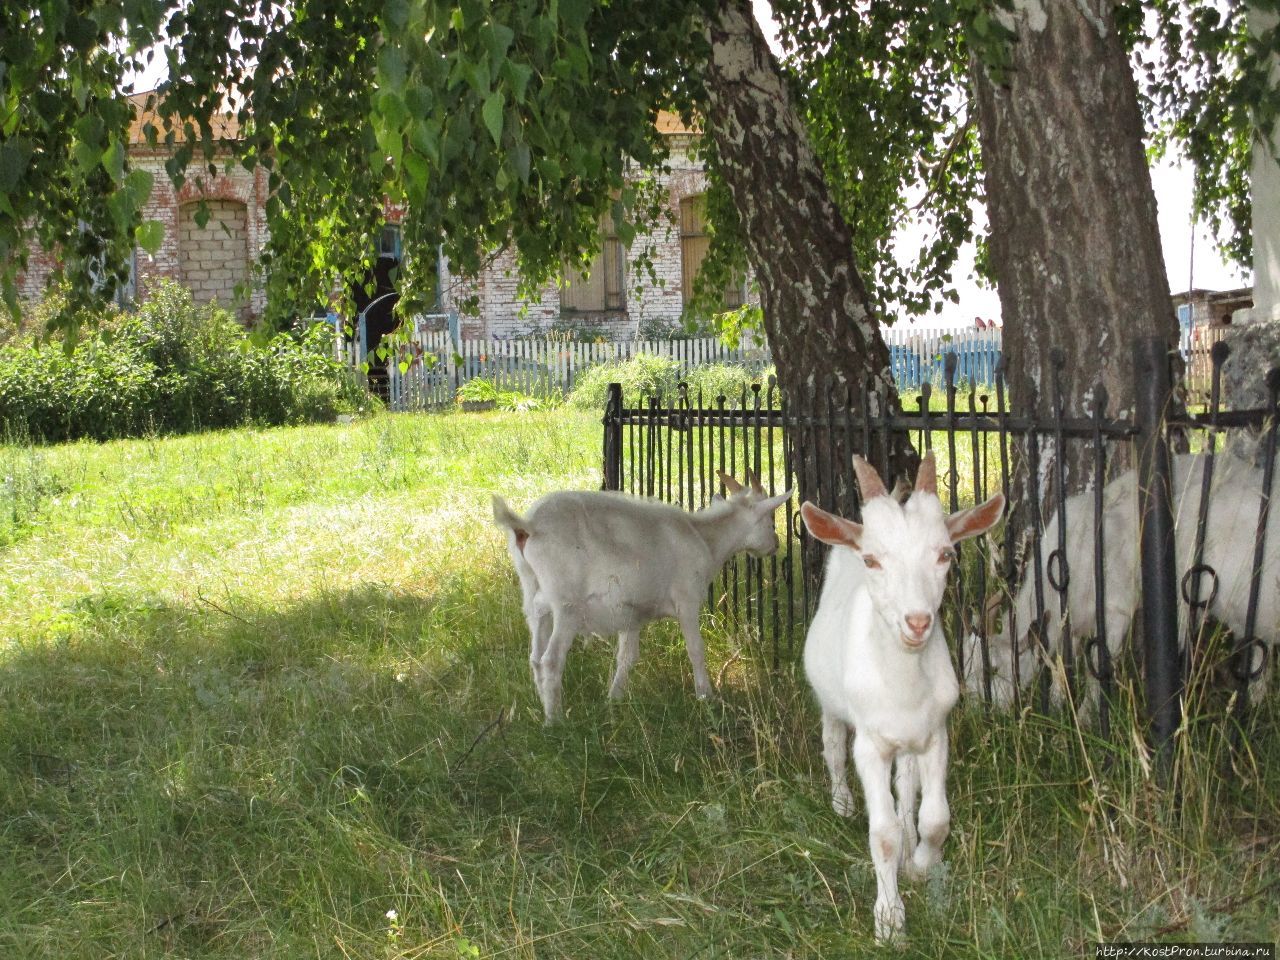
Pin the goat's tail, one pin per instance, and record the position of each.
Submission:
(504, 516)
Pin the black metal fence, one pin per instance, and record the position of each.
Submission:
(671, 448)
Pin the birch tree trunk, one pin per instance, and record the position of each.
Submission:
(817, 314)
(1074, 240)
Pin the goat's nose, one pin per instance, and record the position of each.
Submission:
(919, 622)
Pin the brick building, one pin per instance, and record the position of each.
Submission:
(211, 260)
(617, 298)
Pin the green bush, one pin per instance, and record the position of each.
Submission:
(729, 379)
(171, 367)
(641, 376)
(644, 376)
(483, 390)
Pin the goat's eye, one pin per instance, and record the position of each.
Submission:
(946, 555)
(871, 562)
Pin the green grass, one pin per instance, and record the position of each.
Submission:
(259, 688)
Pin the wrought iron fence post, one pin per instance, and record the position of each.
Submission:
(613, 439)
(1159, 571)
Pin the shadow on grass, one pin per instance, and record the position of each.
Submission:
(233, 766)
(228, 779)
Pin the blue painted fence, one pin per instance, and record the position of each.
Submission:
(917, 355)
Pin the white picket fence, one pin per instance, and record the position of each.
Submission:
(428, 370)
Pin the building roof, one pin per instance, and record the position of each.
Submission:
(669, 123)
(227, 127)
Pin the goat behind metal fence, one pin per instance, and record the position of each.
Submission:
(1079, 580)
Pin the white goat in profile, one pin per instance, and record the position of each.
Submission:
(1234, 500)
(878, 662)
(592, 562)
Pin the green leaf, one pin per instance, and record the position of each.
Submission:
(397, 13)
(574, 13)
(113, 159)
(137, 186)
(424, 137)
(518, 74)
(392, 69)
(149, 236)
(478, 76)
(419, 174)
(492, 112)
(520, 160)
(473, 11)
(86, 155)
(15, 154)
(498, 38)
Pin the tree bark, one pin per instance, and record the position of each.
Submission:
(1074, 243)
(817, 314)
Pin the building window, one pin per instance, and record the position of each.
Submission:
(600, 288)
(694, 243)
(389, 242)
(214, 258)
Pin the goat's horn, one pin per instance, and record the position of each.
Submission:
(730, 484)
(869, 481)
(927, 475)
(753, 480)
(901, 490)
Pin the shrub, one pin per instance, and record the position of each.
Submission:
(481, 390)
(729, 379)
(643, 376)
(171, 367)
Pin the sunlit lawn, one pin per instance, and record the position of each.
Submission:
(266, 694)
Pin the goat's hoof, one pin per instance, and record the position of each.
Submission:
(842, 803)
(891, 924)
(918, 871)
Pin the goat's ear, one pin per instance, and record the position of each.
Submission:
(969, 523)
(869, 481)
(831, 529)
(771, 504)
(927, 474)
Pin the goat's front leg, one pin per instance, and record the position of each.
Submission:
(906, 782)
(835, 751)
(628, 651)
(875, 770)
(697, 652)
(935, 814)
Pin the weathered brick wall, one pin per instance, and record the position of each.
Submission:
(652, 303)
(239, 189)
(213, 260)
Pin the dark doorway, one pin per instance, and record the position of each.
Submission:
(375, 298)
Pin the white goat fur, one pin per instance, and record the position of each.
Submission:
(1228, 548)
(605, 563)
(878, 663)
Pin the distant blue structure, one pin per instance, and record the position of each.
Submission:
(917, 357)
